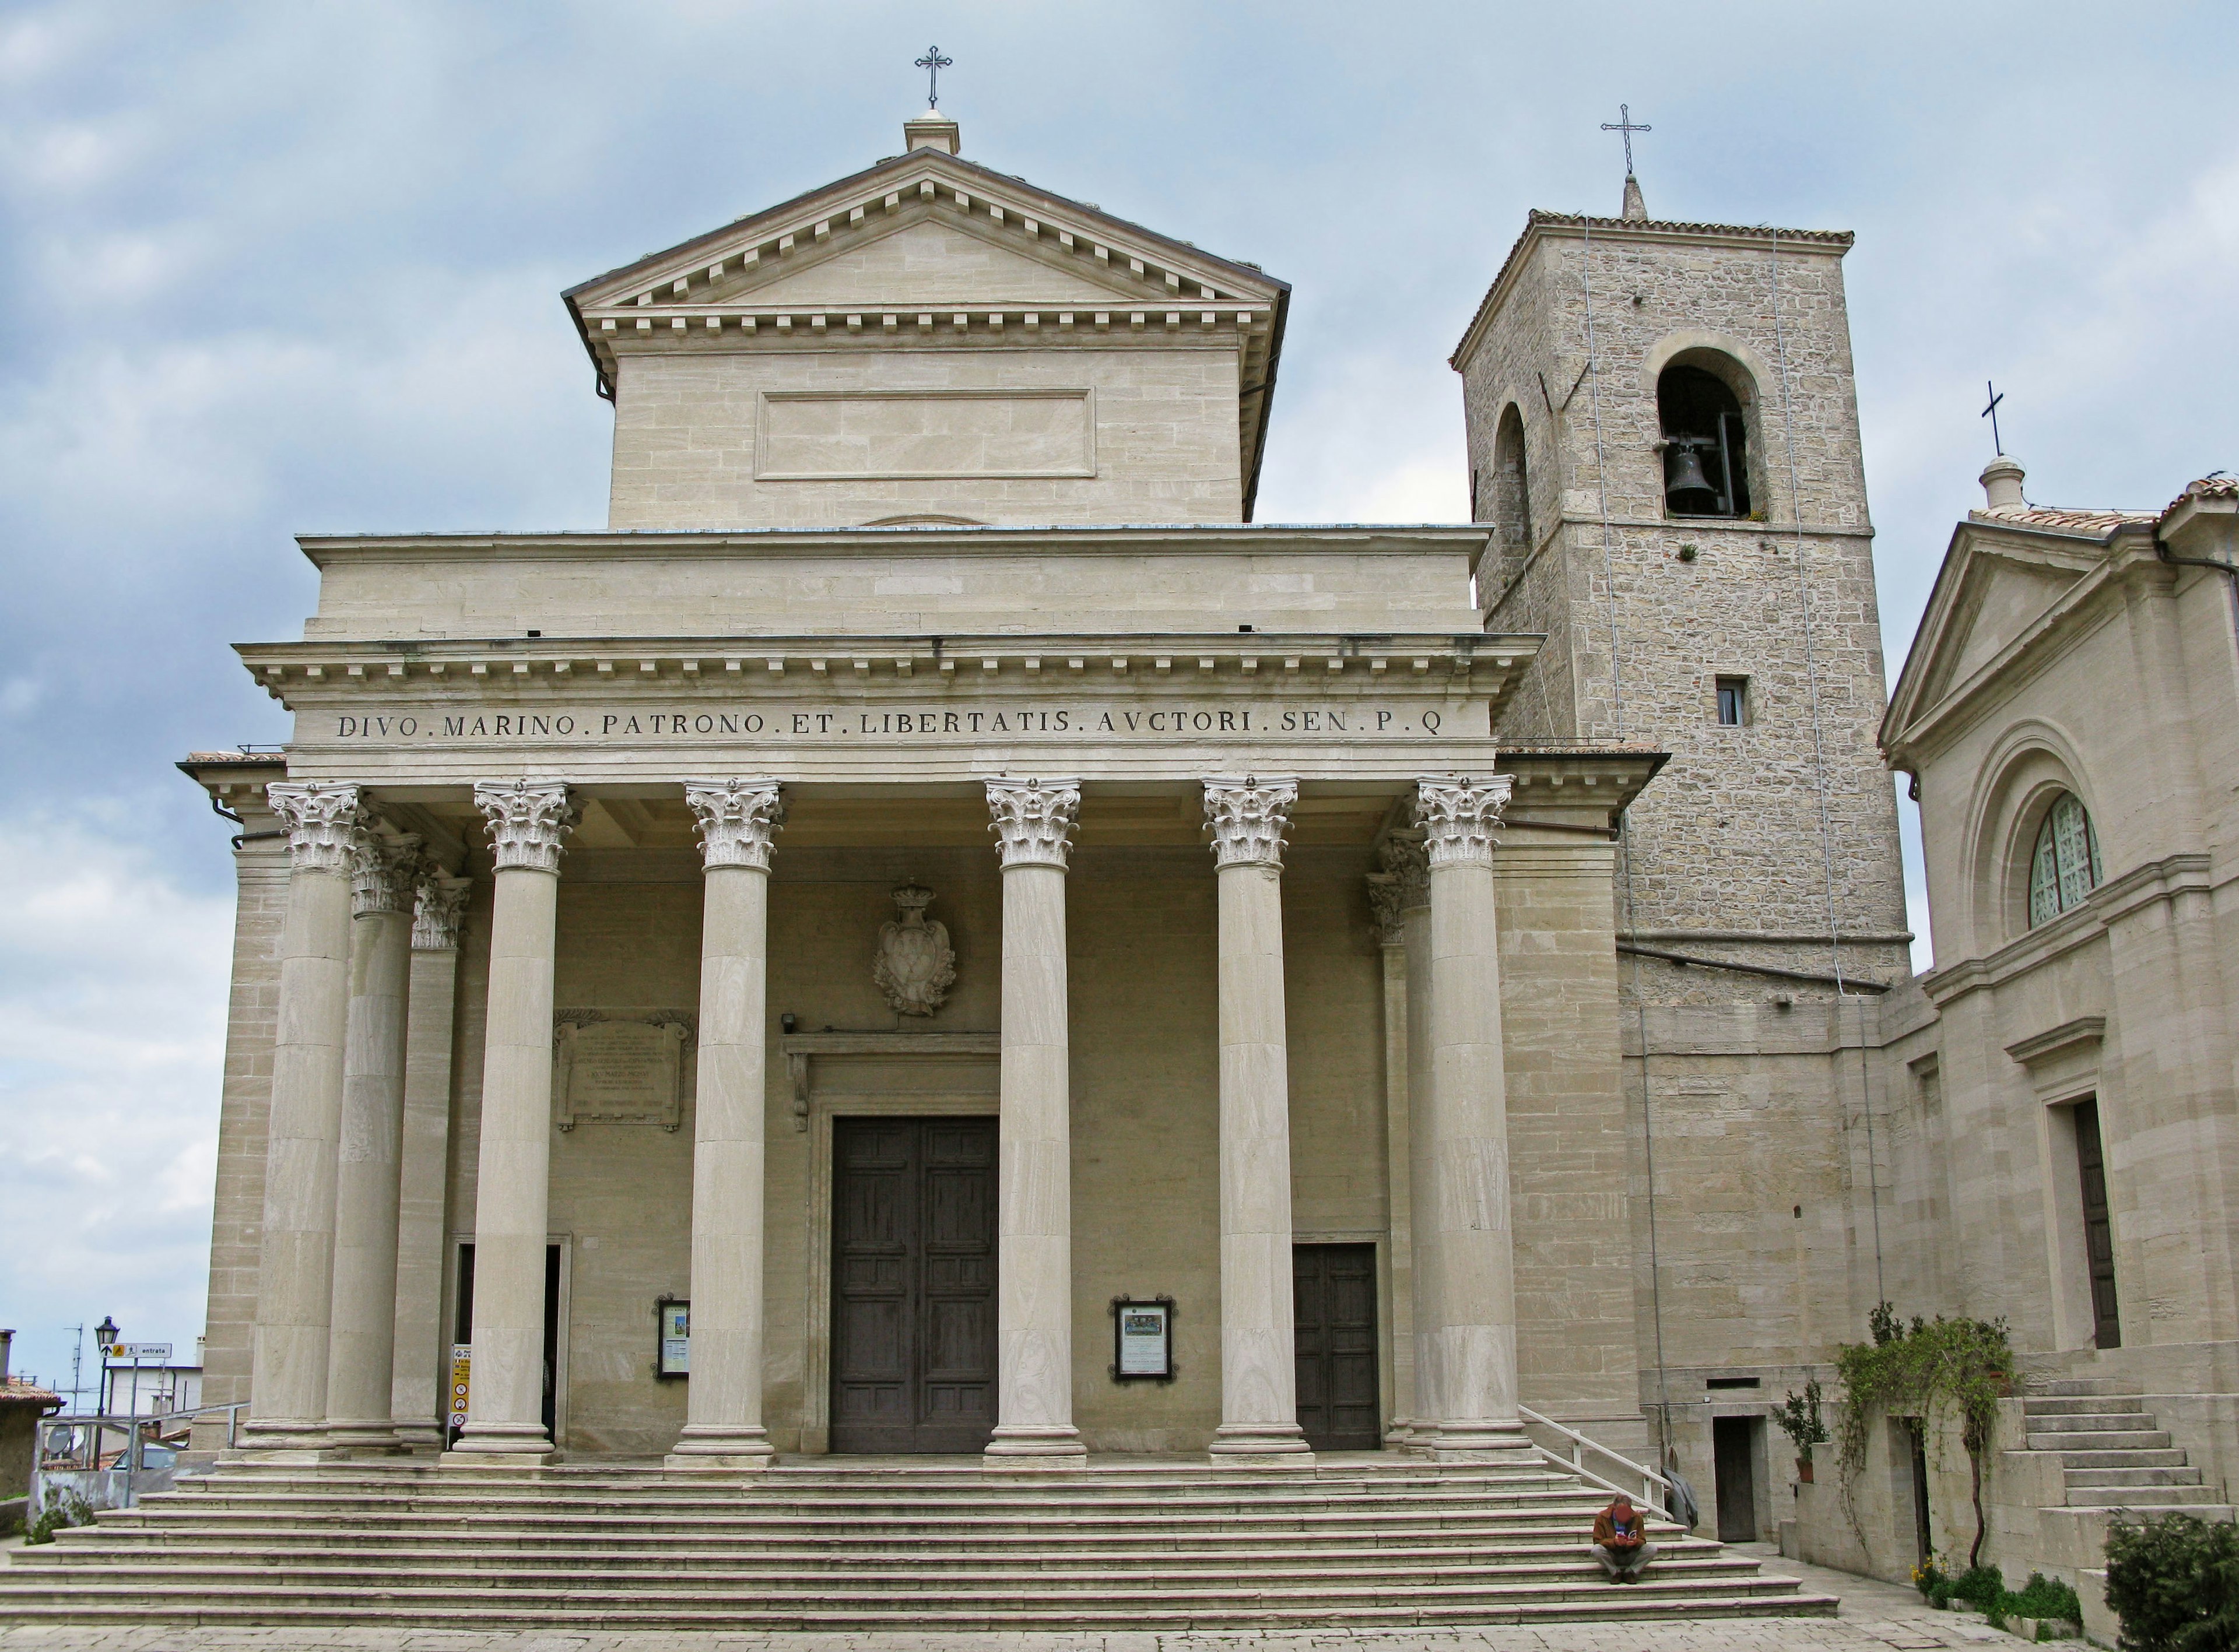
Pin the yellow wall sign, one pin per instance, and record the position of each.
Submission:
(462, 1371)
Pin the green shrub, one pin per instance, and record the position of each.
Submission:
(67, 1509)
(2175, 1583)
(1934, 1368)
(2043, 1596)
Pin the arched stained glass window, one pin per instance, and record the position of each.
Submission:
(2064, 867)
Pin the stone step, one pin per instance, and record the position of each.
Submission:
(868, 1552)
(2169, 1457)
(2101, 1440)
(2094, 1421)
(549, 1573)
(925, 1610)
(2061, 1386)
(2171, 1476)
(2141, 1497)
(2086, 1404)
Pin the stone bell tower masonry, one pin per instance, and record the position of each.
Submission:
(1663, 431)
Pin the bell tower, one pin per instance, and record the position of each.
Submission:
(1664, 433)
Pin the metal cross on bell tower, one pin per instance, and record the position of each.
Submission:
(933, 62)
(1625, 123)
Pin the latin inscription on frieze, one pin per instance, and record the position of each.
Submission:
(1342, 722)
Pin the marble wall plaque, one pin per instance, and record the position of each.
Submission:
(620, 1066)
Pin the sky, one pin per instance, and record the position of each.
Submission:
(295, 267)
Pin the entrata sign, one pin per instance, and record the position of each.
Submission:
(139, 1351)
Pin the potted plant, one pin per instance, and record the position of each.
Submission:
(1799, 1420)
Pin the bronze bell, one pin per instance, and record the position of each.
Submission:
(1685, 485)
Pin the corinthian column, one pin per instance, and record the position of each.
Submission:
(723, 1416)
(1259, 1358)
(1033, 821)
(294, 1293)
(1399, 896)
(529, 821)
(360, 1349)
(417, 1387)
(1466, 1264)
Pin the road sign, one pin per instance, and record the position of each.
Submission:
(158, 1351)
(462, 1356)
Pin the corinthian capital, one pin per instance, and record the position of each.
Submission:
(1458, 818)
(322, 818)
(383, 866)
(1404, 881)
(1247, 818)
(738, 819)
(438, 904)
(1033, 820)
(529, 821)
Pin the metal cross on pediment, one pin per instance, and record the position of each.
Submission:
(1991, 413)
(1625, 123)
(933, 62)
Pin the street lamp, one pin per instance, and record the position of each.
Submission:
(105, 1334)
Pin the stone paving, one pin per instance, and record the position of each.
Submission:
(1875, 1617)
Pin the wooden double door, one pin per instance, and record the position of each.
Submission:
(914, 1224)
(1333, 1305)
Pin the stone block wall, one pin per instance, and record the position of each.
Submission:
(245, 1104)
(1163, 443)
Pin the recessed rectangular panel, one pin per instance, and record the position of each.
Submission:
(851, 436)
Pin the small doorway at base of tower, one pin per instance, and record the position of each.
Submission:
(914, 1258)
(1333, 1307)
(1734, 1451)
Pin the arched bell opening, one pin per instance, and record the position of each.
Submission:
(1705, 445)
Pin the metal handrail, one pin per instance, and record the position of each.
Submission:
(129, 1427)
(1576, 1462)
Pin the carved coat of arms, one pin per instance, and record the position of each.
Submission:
(916, 966)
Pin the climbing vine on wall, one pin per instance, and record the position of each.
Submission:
(1933, 1369)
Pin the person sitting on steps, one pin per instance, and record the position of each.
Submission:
(1621, 1541)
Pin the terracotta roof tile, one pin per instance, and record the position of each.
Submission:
(16, 1392)
(2097, 523)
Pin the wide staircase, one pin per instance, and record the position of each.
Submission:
(2113, 1453)
(1363, 1542)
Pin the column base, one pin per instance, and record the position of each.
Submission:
(1034, 1446)
(419, 1437)
(1472, 1441)
(280, 1440)
(501, 1445)
(1260, 1445)
(369, 1436)
(709, 1448)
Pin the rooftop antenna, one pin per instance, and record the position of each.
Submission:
(1991, 412)
(1635, 209)
(933, 62)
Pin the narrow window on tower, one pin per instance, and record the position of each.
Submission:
(1733, 701)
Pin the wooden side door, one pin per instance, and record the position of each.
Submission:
(1334, 1301)
(2098, 1226)
(912, 1284)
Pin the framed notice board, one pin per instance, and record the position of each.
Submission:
(673, 1342)
(1143, 1339)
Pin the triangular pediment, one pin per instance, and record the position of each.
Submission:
(930, 247)
(977, 213)
(1996, 586)
(925, 261)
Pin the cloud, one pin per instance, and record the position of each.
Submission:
(112, 1027)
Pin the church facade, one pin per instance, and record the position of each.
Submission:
(936, 931)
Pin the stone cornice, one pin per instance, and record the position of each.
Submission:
(1270, 663)
(2110, 904)
(944, 541)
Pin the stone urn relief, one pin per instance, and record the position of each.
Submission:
(916, 966)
